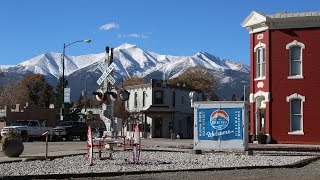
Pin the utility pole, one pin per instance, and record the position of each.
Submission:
(107, 107)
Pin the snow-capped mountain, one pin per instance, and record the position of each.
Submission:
(130, 61)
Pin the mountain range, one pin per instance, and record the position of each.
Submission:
(130, 61)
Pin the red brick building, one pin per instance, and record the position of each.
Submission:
(284, 84)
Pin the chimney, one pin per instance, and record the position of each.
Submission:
(17, 108)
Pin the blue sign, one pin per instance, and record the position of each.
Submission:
(220, 123)
(66, 96)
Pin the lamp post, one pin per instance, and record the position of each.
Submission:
(244, 91)
(62, 89)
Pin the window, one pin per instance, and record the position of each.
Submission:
(260, 63)
(173, 99)
(295, 59)
(144, 99)
(158, 97)
(260, 68)
(135, 99)
(33, 124)
(296, 113)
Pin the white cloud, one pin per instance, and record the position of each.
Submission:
(109, 26)
(133, 35)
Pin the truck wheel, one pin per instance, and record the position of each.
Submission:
(29, 139)
(24, 136)
(69, 137)
(52, 138)
(83, 137)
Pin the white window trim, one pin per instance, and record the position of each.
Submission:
(296, 133)
(303, 99)
(295, 77)
(256, 47)
(259, 45)
(260, 78)
(295, 43)
(303, 46)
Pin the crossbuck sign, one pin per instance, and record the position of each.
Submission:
(106, 73)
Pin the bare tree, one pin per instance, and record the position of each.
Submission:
(8, 93)
(200, 78)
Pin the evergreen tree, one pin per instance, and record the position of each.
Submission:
(67, 111)
(59, 93)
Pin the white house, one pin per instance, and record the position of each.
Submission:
(160, 108)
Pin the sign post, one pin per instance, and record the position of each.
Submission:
(220, 125)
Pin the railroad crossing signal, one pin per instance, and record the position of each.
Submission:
(106, 73)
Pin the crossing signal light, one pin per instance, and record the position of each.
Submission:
(100, 95)
(113, 94)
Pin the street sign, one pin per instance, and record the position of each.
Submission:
(101, 67)
(111, 80)
(102, 77)
(106, 72)
(111, 67)
(66, 95)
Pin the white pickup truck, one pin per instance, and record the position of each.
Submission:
(28, 129)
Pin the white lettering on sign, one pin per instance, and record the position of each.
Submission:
(212, 134)
(106, 73)
(102, 77)
(110, 68)
(111, 80)
(101, 67)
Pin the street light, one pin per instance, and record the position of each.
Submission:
(62, 89)
(244, 91)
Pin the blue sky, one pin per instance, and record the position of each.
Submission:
(173, 27)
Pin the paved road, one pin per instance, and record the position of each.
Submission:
(311, 171)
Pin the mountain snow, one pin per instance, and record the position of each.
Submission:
(130, 61)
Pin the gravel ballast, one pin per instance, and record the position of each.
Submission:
(150, 161)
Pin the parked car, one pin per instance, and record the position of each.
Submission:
(70, 130)
(28, 129)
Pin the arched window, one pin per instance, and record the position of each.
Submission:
(295, 59)
(158, 97)
(296, 113)
(135, 99)
(260, 55)
(144, 99)
(173, 99)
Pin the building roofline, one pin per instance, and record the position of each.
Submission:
(258, 22)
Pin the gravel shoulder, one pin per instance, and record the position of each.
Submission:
(154, 160)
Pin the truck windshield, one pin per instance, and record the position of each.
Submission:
(20, 123)
(65, 123)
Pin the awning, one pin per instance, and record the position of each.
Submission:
(158, 110)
